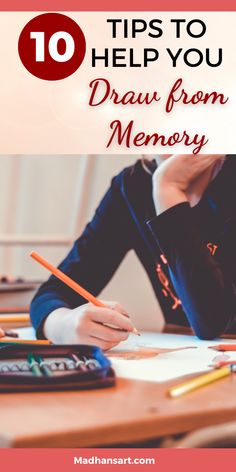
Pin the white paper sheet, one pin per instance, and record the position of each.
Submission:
(165, 366)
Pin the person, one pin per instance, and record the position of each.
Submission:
(177, 212)
(2, 333)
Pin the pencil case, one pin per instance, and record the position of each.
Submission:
(61, 367)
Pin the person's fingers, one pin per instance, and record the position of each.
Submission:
(2, 333)
(91, 340)
(203, 162)
(200, 156)
(198, 159)
(112, 317)
(106, 333)
(116, 306)
(104, 345)
(212, 158)
(206, 159)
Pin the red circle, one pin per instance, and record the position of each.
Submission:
(49, 24)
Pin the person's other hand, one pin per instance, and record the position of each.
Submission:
(183, 178)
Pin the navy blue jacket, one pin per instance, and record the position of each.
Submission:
(188, 253)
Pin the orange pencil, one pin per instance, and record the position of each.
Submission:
(224, 347)
(71, 283)
(14, 318)
(25, 341)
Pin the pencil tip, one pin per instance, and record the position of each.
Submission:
(135, 331)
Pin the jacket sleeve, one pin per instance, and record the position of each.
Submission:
(93, 259)
(202, 284)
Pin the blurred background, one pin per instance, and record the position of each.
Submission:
(45, 202)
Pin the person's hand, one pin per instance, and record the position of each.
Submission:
(2, 333)
(88, 324)
(183, 178)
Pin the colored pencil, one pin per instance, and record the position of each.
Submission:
(34, 366)
(79, 364)
(200, 381)
(70, 283)
(224, 347)
(14, 318)
(24, 341)
(219, 364)
(44, 366)
(90, 363)
(11, 334)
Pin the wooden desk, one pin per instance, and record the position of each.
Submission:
(131, 411)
